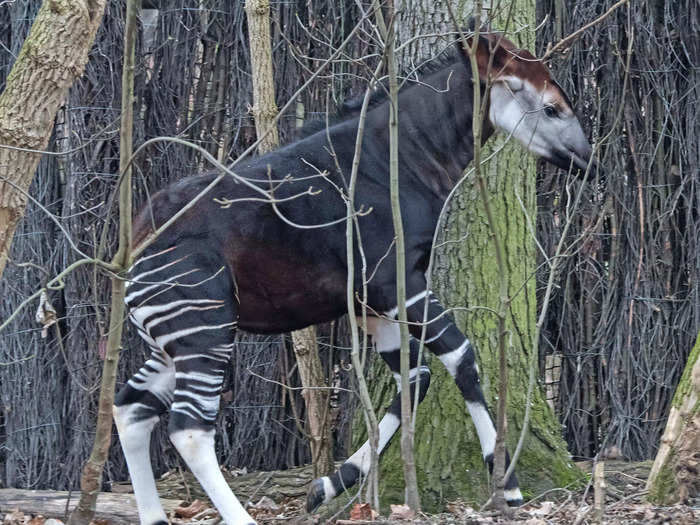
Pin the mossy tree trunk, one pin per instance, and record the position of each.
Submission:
(52, 57)
(675, 476)
(448, 455)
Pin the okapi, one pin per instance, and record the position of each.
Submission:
(221, 268)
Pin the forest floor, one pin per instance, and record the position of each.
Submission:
(625, 505)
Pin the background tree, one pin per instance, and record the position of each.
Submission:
(675, 476)
(448, 454)
(52, 57)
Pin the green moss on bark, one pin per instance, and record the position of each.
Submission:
(663, 490)
(685, 384)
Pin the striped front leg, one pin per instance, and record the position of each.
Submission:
(387, 340)
(455, 351)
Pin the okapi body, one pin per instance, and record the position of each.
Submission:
(242, 266)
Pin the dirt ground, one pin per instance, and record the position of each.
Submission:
(624, 505)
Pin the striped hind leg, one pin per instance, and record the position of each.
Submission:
(455, 351)
(183, 303)
(137, 409)
(387, 339)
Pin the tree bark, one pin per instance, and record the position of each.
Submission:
(675, 476)
(264, 107)
(448, 455)
(304, 341)
(52, 58)
(316, 399)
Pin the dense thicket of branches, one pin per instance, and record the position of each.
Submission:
(627, 309)
(193, 81)
(628, 301)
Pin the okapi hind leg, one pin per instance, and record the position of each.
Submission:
(183, 302)
(386, 337)
(455, 351)
(137, 408)
(191, 429)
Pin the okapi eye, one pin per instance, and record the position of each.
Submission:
(550, 111)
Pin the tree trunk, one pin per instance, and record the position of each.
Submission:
(304, 341)
(448, 455)
(52, 57)
(316, 400)
(675, 476)
(264, 106)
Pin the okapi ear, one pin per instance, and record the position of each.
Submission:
(493, 48)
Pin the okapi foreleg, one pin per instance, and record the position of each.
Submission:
(455, 351)
(385, 335)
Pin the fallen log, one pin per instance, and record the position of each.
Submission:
(115, 509)
(119, 506)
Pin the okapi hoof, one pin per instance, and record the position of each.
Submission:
(513, 497)
(315, 496)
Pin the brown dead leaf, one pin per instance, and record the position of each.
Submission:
(362, 512)
(401, 512)
(45, 314)
(194, 508)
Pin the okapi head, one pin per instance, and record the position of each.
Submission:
(526, 102)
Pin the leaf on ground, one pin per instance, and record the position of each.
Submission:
(544, 509)
(194, 508)
(266, 503)
(362, 512)
(401, 512)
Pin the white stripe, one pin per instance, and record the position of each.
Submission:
(213, 357)
(138, 278)
(187, 408)
(428, 341)
(140, 313)
(452, 359)
(154, 322)
(411, 375)
(163, 340)
(207, 402)
(200, 376)
(484, 427)
(409, 302)
(142, 291)
(151, 257)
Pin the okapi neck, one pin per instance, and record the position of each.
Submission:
(435, 128)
